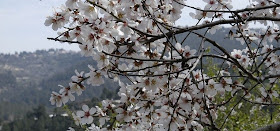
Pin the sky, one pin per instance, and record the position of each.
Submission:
(22, 24)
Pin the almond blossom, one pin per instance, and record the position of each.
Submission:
(86, 114)
(58, 19)
(165, 82)
(95, 77)
(56, 99)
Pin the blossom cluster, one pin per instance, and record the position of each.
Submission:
(168, 87)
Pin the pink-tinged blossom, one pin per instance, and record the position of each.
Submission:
(76, 88)
(75, 85)
(86, 49)
(185, 102)
(197, 75)
(201, 14)
(261, 3)
(58, 20)
(56, 99)
(211, 89)
(125, 115)
(236, 54)
(66, 94)
(226, 83)
(102, 59)
(77, 34)
(245, 61)
(211, 4)
(267, 48)
(95, 77)
(86, 114)
(152, 84)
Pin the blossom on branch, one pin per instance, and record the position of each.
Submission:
(165, 82)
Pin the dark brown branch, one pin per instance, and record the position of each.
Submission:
(65, 41)
(230, 57)
(219, 22)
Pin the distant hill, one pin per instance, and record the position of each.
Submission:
(28, 78)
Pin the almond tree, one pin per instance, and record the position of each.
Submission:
(168, 86)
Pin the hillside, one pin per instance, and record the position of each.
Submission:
(27, 79)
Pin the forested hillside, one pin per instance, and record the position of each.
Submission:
(28, 78)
